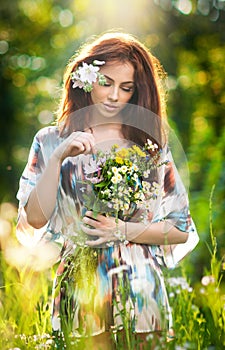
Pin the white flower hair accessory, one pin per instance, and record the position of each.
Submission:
(87, 74)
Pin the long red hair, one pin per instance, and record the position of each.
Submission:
(109, 47)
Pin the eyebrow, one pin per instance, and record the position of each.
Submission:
(124, 82)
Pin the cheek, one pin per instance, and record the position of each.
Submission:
(96, 94)
(127, 97)
(94, 97)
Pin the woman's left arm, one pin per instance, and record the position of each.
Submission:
(106, 228)
(157, 233)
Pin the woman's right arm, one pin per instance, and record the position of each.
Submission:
(42, 199)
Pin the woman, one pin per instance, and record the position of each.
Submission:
(113, 284)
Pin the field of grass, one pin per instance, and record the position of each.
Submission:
(25, 302)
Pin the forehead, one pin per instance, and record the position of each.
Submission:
(118, 70)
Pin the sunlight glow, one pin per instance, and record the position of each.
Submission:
(184, 6)
(132, 17)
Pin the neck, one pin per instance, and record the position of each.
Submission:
(109, 131)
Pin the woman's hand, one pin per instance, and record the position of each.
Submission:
(77, 143)
(106, 228)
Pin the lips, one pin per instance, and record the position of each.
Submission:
(110, 107)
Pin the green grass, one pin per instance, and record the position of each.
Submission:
(198, 311)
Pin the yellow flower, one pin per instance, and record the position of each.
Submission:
(128, 163)
(119, 160)
(126, 206)
(122, 153)
(138, 151)
(114, 147)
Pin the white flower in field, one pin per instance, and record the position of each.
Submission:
(135, 167)
(146, 185)
(126, 206)
(179, 282)
(126, 199)
(126, 192)
(116, 206)
(146, 173)
(150, 337)
(142, 196)
(155, 184)
(135, 176)
(116, 178)
(123, 169)
(114, 170)
(206, 280)
(148, 205)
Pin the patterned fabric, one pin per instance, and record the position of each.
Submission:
(97, 293)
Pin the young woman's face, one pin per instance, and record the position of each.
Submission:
(117, 91)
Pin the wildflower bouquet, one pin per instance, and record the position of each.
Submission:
(118, 182)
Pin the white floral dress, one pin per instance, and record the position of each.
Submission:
(95, 288)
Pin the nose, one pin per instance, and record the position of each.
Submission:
(113, 94)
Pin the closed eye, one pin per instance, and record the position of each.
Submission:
(127, 88)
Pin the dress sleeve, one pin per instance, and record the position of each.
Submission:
(25, 233)
(174, 209)
(32, 171)
(40, 248)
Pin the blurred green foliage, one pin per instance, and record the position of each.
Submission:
(37, 37)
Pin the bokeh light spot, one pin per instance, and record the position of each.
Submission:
(184, 6)
(38, 63)
(4, 46)
(65, 18)
(45, 117)
(19, 79)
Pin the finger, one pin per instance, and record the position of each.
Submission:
(91, 232)
(89, 147)
(92, 222)
(95, 243)
(77, 147)
(84, 136)
(93, 215)
(86, 139)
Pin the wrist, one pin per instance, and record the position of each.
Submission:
(55, 159)
(120, 232)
